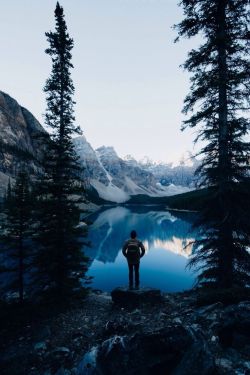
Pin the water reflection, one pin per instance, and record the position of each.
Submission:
(165, 235)
(176, 245)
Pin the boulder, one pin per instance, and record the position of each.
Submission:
(156, 352)
(128, 298)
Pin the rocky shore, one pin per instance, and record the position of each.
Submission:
(139, 332)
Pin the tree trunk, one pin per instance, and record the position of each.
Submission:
(226, 259)
(223, 106)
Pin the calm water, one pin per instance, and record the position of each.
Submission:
(165, 235)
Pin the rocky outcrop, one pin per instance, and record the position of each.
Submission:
(18, 126)
(171, 350)
(144, 353)
(175, 337)
(187, 340)
(20, 144)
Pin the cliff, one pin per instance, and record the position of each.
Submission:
(20, 144)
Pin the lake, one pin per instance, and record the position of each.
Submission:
(165, 235)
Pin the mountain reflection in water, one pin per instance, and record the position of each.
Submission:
(165, 235)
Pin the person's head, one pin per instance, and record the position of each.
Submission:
(133, 234)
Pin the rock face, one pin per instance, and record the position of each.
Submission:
(18, 126)
(129, 298)
(89, 161)
(19, 145)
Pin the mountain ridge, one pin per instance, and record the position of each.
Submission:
(118, 179)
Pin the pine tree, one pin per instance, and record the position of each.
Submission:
(218, 102)
(16, 235)
(60, 262)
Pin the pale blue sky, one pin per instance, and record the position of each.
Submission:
(129, 87)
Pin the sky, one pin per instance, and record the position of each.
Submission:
(129, 84)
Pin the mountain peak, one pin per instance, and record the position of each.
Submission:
(80, 139)
(107, 152)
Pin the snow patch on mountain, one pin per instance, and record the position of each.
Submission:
(172, 189)
(110, 192)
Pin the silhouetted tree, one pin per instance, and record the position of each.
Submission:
(16, 234)
(60, 262)
(218, 100)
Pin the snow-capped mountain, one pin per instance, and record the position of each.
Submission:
(112, 177)
(116, 179)
(181, 174)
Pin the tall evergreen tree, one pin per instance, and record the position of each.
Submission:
(60, 262)
(218, 102)
(16, 235)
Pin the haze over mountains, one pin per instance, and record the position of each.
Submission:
(115, 179)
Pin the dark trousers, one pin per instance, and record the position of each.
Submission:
(132, 268)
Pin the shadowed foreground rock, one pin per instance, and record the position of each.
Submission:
(166, 351)
(126, 297)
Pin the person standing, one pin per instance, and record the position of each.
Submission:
(133, 250)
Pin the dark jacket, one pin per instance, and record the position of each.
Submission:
(133, 250)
